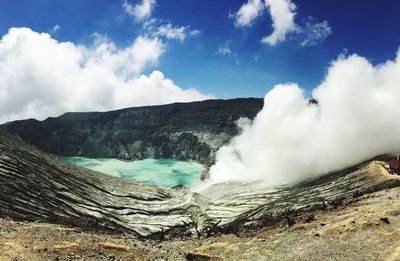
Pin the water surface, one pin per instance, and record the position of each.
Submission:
(161, 172)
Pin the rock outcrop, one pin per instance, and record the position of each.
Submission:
(183, 131)
(36, 186)
(253, 206)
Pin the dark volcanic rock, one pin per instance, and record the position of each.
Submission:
(183, 131)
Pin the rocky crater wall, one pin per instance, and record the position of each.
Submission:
(36, 186)
(182, 131)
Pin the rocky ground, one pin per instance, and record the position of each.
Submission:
(352, 214)
(368, 229)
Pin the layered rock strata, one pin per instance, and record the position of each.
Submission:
(182, 131)
(36, 186)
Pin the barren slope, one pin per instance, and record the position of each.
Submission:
(36, 186)
(359, 231)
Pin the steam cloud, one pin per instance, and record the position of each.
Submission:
(290, 140)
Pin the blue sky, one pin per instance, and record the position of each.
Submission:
(223, 58)
(369, 28)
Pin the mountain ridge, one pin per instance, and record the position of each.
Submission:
(182, 131)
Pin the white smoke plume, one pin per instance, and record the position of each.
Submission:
(357, 117)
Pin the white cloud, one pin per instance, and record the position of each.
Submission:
(55, 29)
(170, 32)
(314, 33)
(282, 14)
(140, 11)
(248, 12)
(291, 140)
(127, 62)
(195, 32)
(226, 50)
(41, 77)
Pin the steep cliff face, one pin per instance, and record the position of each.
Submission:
(183, 131)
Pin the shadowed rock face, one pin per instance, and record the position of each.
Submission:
(182, 131)
(37, 186)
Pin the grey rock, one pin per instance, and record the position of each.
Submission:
(36, 186)
(182, 131)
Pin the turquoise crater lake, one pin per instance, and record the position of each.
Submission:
(164, 173)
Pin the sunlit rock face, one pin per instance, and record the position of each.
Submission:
(36, 186)
(160, 172)
(182, 131)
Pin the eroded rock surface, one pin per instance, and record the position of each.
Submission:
(352, 232)
(253, 206)
(182, 131)
(37, 186)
